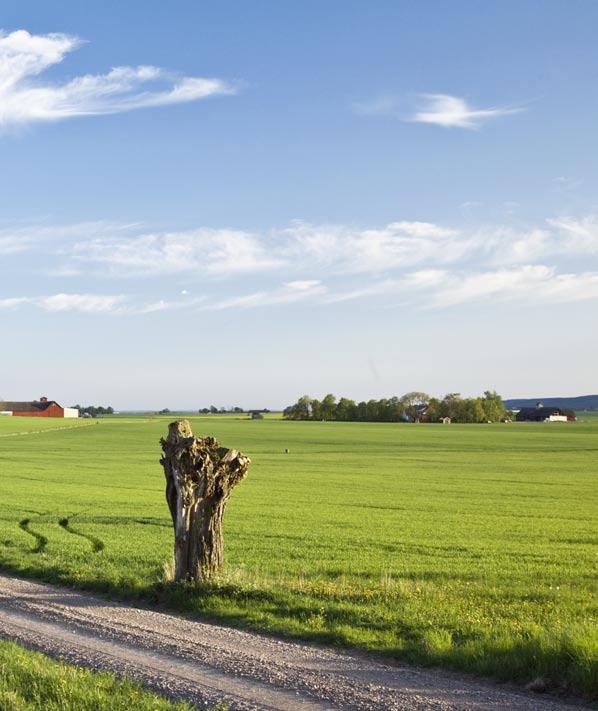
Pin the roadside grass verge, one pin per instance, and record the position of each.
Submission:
(388, 617)
(426, 622)
(30, 681)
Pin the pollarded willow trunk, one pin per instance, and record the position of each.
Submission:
(200, 476)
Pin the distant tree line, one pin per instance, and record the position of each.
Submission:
(94, 410)
(213, 410)
(411, 407)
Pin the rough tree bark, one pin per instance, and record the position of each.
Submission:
(200, 476)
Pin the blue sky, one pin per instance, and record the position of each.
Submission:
(237, 203)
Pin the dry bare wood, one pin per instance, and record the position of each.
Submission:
(200, 476)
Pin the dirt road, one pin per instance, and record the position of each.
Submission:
(207, 664)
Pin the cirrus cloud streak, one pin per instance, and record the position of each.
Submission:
(423, 264)
(436, 109)
(25, 99)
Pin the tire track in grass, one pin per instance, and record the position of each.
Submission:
(153, 522)
(47, 429)
(41, 540)
(97, 544)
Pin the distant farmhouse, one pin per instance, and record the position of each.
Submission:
(540, 413)
(581, 402)
(256, 414)
(38, 408)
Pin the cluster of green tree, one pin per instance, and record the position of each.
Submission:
(488, 408)
(94, 410)
(213, 410)
(411, 407)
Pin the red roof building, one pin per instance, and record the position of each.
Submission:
(38, 408)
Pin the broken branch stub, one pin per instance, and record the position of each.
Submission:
(200, 476)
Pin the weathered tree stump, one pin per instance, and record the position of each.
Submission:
(200, 476)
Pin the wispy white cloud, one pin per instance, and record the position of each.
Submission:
(426, 288)
(454, 112)
(377, 288)
(84, 303)
(11, 303)
(346, 250)
(123, 251)
(21, 237)
(214, 252)
(87, 303)
(532, 283)
(576, 235)
(424, 262)
(505, 245)
(12, 245)
(23, 99)
(221, 252)
(166, 305)
(439, 109)
(424, 280)
(290, 292)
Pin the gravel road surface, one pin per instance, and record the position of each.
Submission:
(208, 664)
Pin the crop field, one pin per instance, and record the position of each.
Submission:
(465, 546)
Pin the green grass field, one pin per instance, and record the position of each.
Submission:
(30, 681)
(467, 546)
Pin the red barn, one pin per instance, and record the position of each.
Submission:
(38, 408)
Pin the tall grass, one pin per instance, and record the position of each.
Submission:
(30, 681)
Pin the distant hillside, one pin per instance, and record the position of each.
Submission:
(583, 402)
